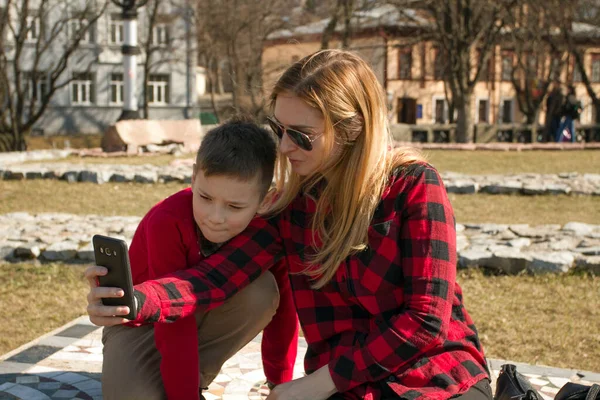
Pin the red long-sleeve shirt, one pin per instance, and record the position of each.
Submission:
(392, 317)
(167, 240)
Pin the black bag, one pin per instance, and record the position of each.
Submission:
(511, 385)
(576, 391)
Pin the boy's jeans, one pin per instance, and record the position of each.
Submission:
(131, 367)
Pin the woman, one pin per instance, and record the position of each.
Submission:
(369, 237)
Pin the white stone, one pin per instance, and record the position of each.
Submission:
(519, 243)
(551, 262)
(579, 228)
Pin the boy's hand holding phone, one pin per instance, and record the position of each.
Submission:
(110, 300)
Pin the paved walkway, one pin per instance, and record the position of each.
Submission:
(66, 364)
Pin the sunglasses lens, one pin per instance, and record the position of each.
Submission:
(276, 128)
(300, 139)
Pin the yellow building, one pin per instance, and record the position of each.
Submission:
(412, 78)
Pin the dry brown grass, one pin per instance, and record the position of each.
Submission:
(136, 199)
(512, 162)
(546, 319)
(37, 299)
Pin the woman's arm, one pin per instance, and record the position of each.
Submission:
(427, 244)
(215, 279)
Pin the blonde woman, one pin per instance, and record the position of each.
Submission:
(369, 237)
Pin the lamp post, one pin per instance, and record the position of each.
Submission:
(129, 50)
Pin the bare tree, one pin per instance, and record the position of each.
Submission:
(584, 14)
(343, 9)
(236, 31)
(540, 58)
(37, 46)
(463, 28)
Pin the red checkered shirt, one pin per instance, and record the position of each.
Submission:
(391, 322)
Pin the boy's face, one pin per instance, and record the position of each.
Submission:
(224, 205)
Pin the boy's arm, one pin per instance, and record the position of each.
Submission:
(176, 342)
(280, 337)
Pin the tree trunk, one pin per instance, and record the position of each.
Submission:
(464, 120)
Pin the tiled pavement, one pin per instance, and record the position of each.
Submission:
(66, 364)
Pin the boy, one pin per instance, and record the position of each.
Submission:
(231, 178)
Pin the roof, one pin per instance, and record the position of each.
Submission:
(383, 16)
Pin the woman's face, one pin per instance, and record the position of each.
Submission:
(293, 112)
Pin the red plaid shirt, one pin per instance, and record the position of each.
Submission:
(390, 323)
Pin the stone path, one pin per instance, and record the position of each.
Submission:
(568, 183)
(509, 248)
(67, 364)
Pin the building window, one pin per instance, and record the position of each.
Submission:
(33, 28)
(507, 66)
(438, 65)
(440, 111)
(507, 111)
(116, 89)
(405, 64)
(79, 25)
(116, 29)
(37, 85)
(596, 68)
(483, 111)
(82, 89)
(158, 89)
(160, 35)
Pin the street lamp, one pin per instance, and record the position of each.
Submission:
(130, 50)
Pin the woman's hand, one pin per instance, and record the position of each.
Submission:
(100, 314)
(316, 386)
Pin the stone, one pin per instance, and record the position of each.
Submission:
(86, 253)
(14, 175)
(558, 188)
(29, 250)
(508, 187)
(493, 229)
(98, 177)
(460, 228)
(473, 258)
(579, 228)
(145, 177)
(519, 243)
(30, 175)
(70, 176)
(589, 251)
(122, 177)
(510, 261)
(591, 264)
(61, 251)
(534, 189)
(6, 251)
(564, 244)
(551, 262)
(461, 187)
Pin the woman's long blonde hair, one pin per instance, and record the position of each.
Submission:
(345, 90)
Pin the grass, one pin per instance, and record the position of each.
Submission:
(545, 319)
(137, 198)
(550, 320)
(38, 299)
(513, 162)
(153, 159)
(61, 141)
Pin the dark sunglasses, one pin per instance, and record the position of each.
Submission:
(300, 139)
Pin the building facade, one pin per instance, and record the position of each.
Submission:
(411, 71)
(91, 94)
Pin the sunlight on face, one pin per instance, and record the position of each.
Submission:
(224, 205)
(293, 112)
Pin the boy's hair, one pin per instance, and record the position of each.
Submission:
(241, 149)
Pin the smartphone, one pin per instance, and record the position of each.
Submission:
(112, 254)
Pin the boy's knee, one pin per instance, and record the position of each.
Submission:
(260, 295)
